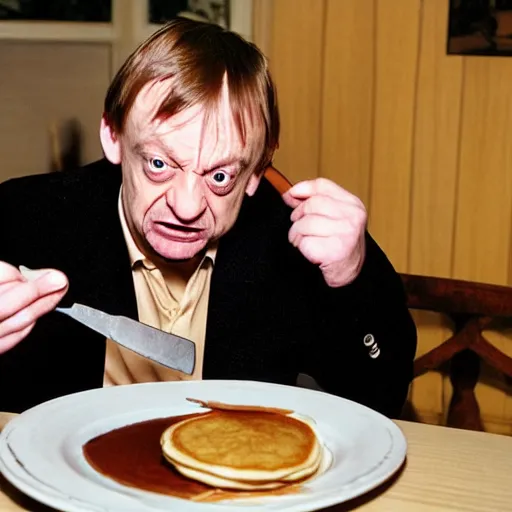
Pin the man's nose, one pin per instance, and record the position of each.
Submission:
(186, 198)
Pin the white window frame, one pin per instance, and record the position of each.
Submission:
(119, 29)
(127, 29)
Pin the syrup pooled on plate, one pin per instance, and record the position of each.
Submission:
(132, 456)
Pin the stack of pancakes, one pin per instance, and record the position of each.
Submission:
(243, 449)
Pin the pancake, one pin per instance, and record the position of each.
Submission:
(243, 449)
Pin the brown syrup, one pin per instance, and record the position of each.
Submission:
(132, 456)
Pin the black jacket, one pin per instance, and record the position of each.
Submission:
(270, 317)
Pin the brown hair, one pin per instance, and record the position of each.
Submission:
(198, 56)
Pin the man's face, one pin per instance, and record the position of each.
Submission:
(183, 179)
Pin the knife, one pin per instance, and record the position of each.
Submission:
(164, 348)
(159, 346)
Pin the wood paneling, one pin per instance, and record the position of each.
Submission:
(347, 95)
(421, 136)
(482, 235)
(483, 224)
(434, 179)
(262, 16)
(296, 62)
(396, 54)
(436, 147)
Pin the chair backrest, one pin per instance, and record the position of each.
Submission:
(454, 296)
(472, 307)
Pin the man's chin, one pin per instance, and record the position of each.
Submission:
(179, 251)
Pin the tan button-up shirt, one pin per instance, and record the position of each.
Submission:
(168, 301)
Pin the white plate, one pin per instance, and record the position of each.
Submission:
(41, 450)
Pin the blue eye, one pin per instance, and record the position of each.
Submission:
(156, 164)
(221, 178)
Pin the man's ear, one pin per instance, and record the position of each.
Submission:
(110, 142)
(253, 183)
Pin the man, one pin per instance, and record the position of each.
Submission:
(178, 228)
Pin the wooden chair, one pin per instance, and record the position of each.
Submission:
(471, 307)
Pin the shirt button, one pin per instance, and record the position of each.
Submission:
(368, 340)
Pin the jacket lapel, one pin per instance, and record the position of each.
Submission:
(100, 274)
(242, 266)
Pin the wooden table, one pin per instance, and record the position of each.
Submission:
(446, 470)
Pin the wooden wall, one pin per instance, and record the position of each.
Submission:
(370, 99)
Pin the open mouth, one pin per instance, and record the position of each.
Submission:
(180, 227)
(179, 232)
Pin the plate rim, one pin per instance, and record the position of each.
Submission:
(34, 491)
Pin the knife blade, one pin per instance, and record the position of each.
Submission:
(164, 348)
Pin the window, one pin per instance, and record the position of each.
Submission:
(214, 11)
(88, 11)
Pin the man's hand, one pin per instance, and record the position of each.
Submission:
(328, 228)
(24, 300)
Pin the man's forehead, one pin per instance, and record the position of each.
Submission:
(187, 144)
(205, 130)
(151, 98)
(186, 131)
(144, 116)
(191, 127)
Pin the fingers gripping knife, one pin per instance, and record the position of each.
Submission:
(164, 348)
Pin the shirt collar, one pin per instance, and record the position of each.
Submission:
(137, 257)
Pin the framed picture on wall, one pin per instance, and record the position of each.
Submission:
(480, 27)
(213, 11)
(149, 15)
(83, 11)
